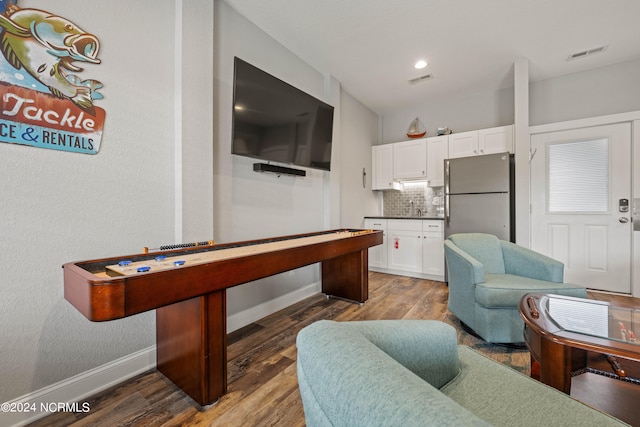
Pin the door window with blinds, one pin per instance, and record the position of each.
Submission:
(578, 177)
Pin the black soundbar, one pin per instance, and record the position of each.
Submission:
(266, 167)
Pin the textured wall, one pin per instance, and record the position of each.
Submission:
(59, 207)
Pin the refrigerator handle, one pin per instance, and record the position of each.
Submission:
(446, 208)
(447, 178)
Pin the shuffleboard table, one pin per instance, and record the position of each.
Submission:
(187, 288)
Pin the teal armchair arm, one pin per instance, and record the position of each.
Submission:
(525, 262)
(463, 274)
(462, 266)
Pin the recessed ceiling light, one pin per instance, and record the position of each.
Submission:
(420, 64)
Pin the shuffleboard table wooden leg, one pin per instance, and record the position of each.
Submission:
(347, 276)
(191, 340)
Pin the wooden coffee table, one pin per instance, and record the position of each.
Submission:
(563, 333)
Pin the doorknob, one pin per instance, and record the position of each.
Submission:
(623, 219)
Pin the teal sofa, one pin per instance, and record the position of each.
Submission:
(488, 277)
(413, 373)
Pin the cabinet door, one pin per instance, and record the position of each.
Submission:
(433, 254)
(405, 250)
(495, 140)
(378, 254)
(433, 248)
(437, 151)
(382, 178)
(463, 144)
(410, 159)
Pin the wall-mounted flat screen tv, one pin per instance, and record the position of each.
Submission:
(275, 121)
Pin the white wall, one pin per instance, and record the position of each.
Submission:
(600, 91)
(359, 133)
(252, 205)
(194, 125)
(597, 92)
(461, 113)
(59, 207)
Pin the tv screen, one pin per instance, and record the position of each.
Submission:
(274, 121)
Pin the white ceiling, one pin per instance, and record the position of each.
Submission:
(370, 46)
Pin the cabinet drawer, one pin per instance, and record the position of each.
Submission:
(375, 224)
(405, 224)
(435, 226)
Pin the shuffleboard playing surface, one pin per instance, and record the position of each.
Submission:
(160, 262)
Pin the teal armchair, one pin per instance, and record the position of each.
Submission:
(488, 277)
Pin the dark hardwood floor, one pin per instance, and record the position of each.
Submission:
(262, 384)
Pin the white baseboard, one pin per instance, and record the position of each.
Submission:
(434, 277)
(72, 390)
(239, 320)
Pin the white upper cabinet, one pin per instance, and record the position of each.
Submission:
(495, 140)
(479, 142)
(410, 159)
(437, 152)
(382, 176)
(463, 144)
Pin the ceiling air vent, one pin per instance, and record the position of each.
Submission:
(421, 79)
(584, 53)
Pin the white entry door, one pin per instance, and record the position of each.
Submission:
(580, 215)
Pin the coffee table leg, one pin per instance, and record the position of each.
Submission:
(535, 368)
(556, 369)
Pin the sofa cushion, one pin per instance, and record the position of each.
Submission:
(515, 399)
(346, 379)
(485, 248)
(506, 290)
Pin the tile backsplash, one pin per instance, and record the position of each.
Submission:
(428, 199)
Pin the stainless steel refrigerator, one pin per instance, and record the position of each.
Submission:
(479, 195)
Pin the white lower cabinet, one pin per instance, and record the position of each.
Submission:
(377, 254)
(404, 248)
(411, 247)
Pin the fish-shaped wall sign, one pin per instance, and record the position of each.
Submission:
(43, 101)
(46, 46)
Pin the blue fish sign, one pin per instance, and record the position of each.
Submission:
(43, 102)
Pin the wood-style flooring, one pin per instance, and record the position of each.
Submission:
(262, 384)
